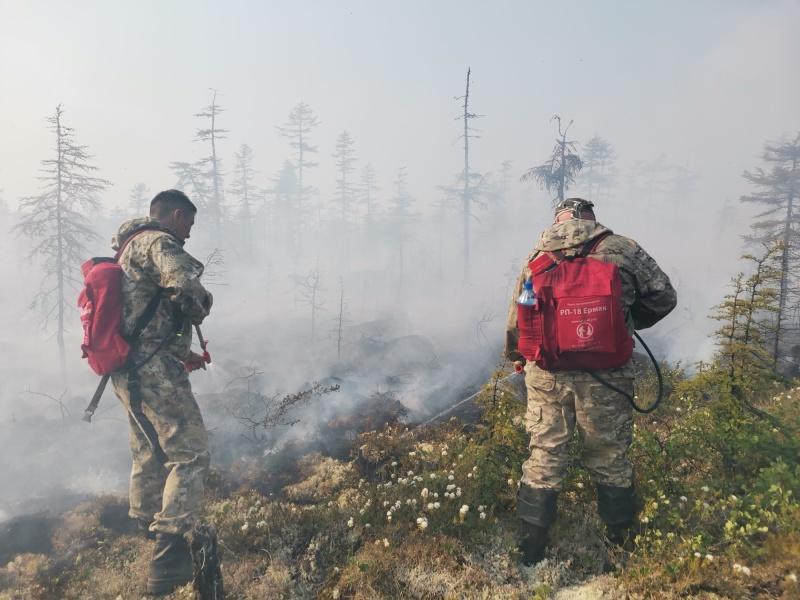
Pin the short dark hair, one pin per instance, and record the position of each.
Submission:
(169, 200)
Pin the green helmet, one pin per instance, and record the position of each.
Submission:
(575, 205)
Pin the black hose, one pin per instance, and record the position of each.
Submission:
(611, 386)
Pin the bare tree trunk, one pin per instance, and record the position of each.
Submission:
(466, 192)
(60, 253)
(215, 170)
(563, 174)
(340, 322)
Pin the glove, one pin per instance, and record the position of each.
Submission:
(194, 361)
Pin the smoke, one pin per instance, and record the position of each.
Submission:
(685, 120)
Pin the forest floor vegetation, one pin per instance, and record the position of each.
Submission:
(429, 513)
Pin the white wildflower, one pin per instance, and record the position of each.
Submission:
(424, 493)
(709, 557)
(422, 523)
(697, 555)
(261, 524)
(683, 499)
(350, 522)
(704, 488)
(335, 594)
(246, 526)
(482, 516)
(462, 512)
(644, 520)
(394, 463)
(579, 484)
(792, 577)
(436, 505)
(385, 543)
(451, 477)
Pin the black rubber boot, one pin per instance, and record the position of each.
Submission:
(532, 543)
(171, 565)
(617, 508)
(536, 508)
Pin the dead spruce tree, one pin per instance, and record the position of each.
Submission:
(56, 220)
(340, 321)
(139, 200)
(211, 166)
(243, 188)
(309, 289)
(345, 156)
(400, 219)
(297, 130)
(369, 185)
(777, 190)
(598, 166)
(558, 173)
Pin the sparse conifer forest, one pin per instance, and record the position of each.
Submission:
(361, 237)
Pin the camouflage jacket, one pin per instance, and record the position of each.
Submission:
(156, 259)
(647, 294)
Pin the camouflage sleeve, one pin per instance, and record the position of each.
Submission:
(178, 272)
(512, 332)
(655, 296)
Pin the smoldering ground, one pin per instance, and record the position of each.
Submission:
(392, 310)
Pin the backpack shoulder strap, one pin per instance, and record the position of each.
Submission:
(152, 306)
(542, 263)
(592, 244)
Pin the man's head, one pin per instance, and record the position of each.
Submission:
(574, 208)
(174, 210)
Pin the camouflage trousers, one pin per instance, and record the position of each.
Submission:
(560, 402)
(169, 471)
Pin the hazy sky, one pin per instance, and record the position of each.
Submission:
(704, 82)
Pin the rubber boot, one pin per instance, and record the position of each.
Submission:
(536, 508)
(532, 543)
(171, 565)
(617, 508)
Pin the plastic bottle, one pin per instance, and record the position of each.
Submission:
(528, 296)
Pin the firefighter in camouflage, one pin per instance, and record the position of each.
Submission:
(558, 402)
(169, 443)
